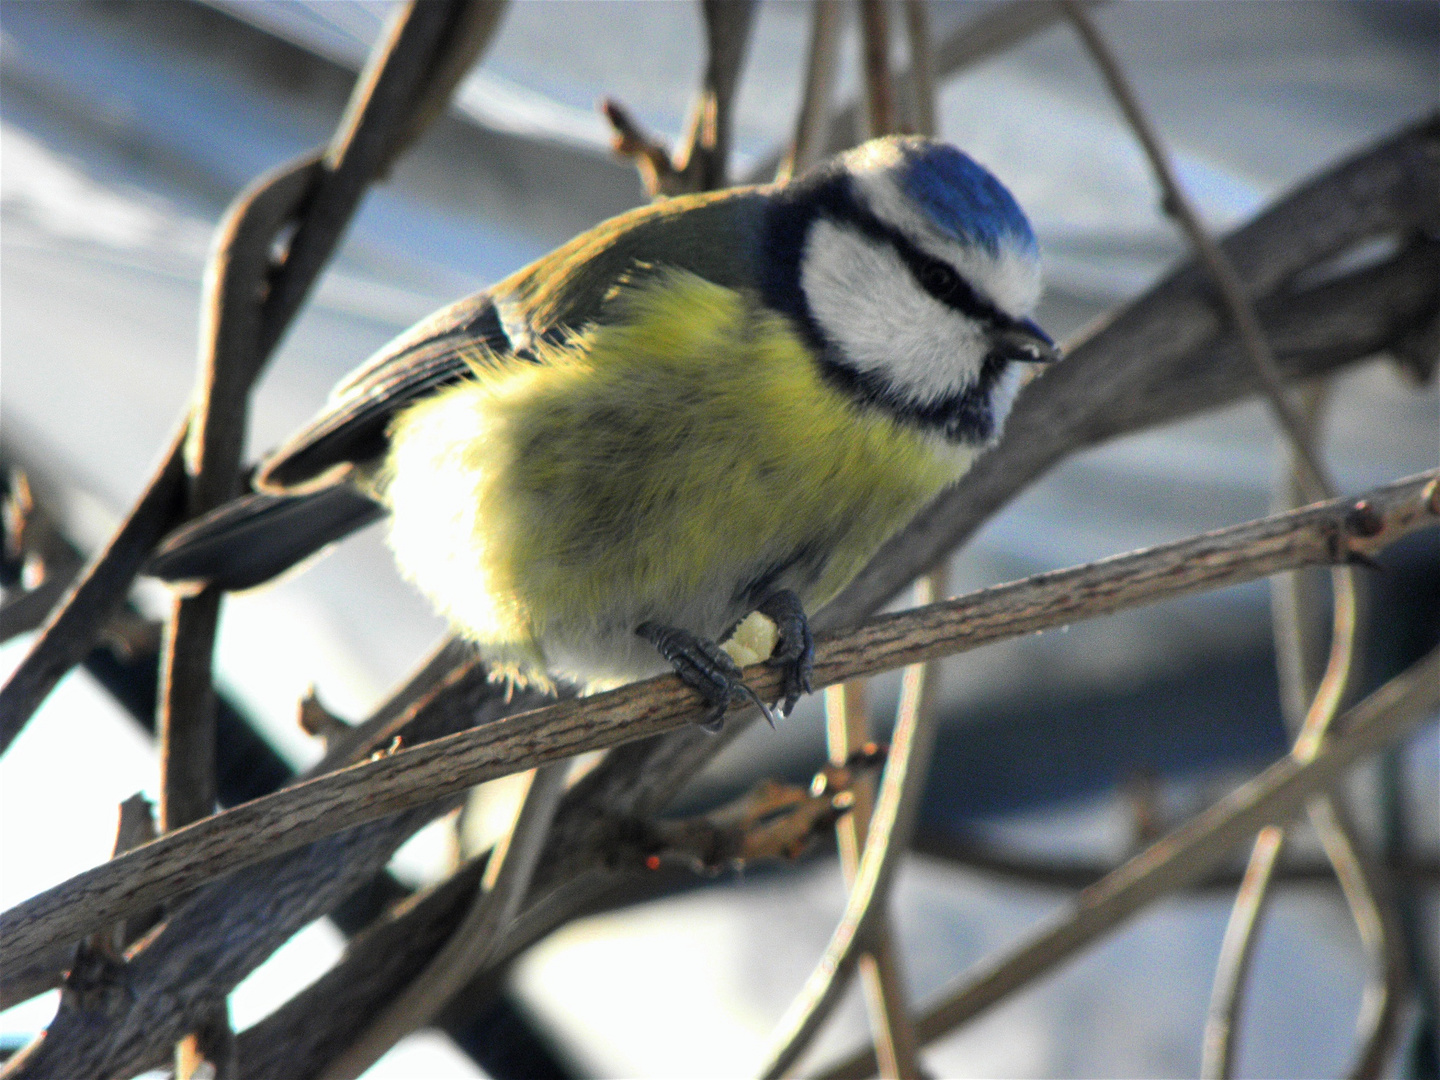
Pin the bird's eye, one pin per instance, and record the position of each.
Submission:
(939, 280)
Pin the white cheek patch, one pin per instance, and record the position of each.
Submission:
(1010, 279)
(863, 296)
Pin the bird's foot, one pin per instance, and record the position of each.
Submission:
(795, 651)
(704, 667)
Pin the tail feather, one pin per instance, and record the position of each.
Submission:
(254, 538)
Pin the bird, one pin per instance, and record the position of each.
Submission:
(707, 413)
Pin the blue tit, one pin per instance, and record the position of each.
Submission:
(710, 406)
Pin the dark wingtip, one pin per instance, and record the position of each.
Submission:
(257, 537)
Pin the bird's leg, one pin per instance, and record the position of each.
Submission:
(795, 651)
(704, 667)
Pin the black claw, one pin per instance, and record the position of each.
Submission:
(795, 651)
(705, 668)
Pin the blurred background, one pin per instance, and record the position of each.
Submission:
(127, 128)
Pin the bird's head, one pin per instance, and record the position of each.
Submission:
(914, 273)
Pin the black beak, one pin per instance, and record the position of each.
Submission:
(1025, 342)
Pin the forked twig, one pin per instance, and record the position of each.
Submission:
(701, 161)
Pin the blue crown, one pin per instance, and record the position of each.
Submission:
(961, 197)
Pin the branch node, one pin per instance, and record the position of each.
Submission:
(1362, 520)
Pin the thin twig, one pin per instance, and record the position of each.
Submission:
(1378, 928)
(96, 596)
(1237, 952)
(862, 926)
(770, 821)
(1316, 535)
(972, 42)
(847, 727)
(231, 325)
(1294, 631)
(1065, 874)
(452, 659)
(812, 124)
(507, 879)
(875, 46)
(1186, 855)
(1232, 292)
(922, 67)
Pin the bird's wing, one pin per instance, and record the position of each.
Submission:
(352, 426)
(566, 290)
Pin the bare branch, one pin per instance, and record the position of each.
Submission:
(922, 67)
(1237, 949)
(375, 125)
(1379, 927)
(862, 924)
(1232, 292)
(507, 879)
(1380, 936)
(1186, 855)
(70, 631)
(231, 328)
(1317, 535)
(875, 45)
(451, 663)
(1067, 874)
(771, 821)
(812, 124)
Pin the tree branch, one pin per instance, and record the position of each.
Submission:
(1319, 535)
(377, 124)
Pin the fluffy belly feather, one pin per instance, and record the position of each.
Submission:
(676, 465)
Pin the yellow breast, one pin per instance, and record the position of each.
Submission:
(648, 468)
